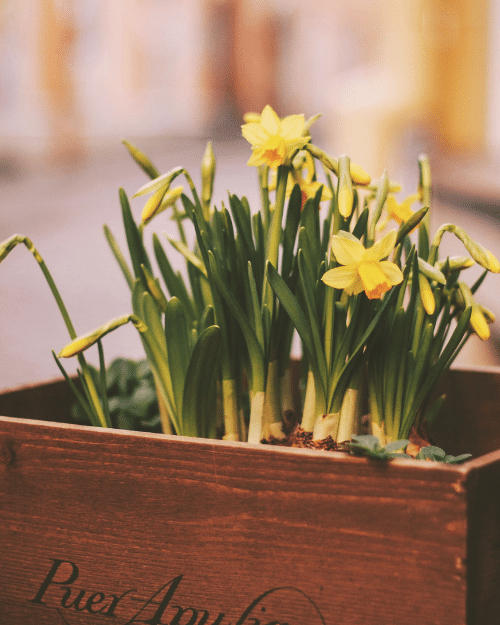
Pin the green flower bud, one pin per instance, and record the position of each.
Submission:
(142, 160)
(82, 343)
(207, 174)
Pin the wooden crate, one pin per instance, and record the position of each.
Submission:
(107, 526)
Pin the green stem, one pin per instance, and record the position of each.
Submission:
(274, 236)
(264, 192)
(272, 405)
(314, 403)
(7, 247)
(380, 198)
(256, 416)
(230, 408)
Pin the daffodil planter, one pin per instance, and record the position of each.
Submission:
(106, 526)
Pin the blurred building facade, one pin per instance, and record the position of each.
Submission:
(76, 71)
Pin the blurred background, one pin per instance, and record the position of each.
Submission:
(392, 78)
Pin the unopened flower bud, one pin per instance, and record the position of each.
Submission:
(155, 289)
(426, 294)
(207, 174)
(345, 195)
(358, 175)
(152, 210)
(455, 263)
(142, 160)
(478, 320)
(494, 265)
(82, 343)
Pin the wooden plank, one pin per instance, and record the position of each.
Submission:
(48, 401)
(483, 543)
(470, 419)
(142, 527)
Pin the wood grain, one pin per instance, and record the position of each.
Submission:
(48, 401)
(483, 540)
(470, 419)
(164, 530)
(352, 540)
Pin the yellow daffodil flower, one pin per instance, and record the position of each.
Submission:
(364, 269)
(274, 140)
(303, 174)
(399, 212)
(309, 189)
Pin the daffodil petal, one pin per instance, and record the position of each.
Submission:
(251, 117)
(392, 271)
(257, 157)
(270, 121)
(381, 248)
(254, 133)
(292, 127)
(326, 194)
(410, 200)
(311, 188)
(348, 250)
(341, 277)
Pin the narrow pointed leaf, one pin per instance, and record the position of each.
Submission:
(200, 378)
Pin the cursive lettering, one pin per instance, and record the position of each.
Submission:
(60, 589)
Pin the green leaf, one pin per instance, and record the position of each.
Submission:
(256, 317)
(312, 310)
(337, 393)
(82, 401)
(243, 226)
(369, 445)
(407, 226)
(135, 243)
(430, 452)
(178, 348)
(292, 221)
(200, 378)
(154, 288)
(188, 255)
(397, 445)
(173, 281)
(120, 259)
(359, 229)
(254, 349)
(297, 315)
(103, 385)
(441, 365)
(152, 318)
